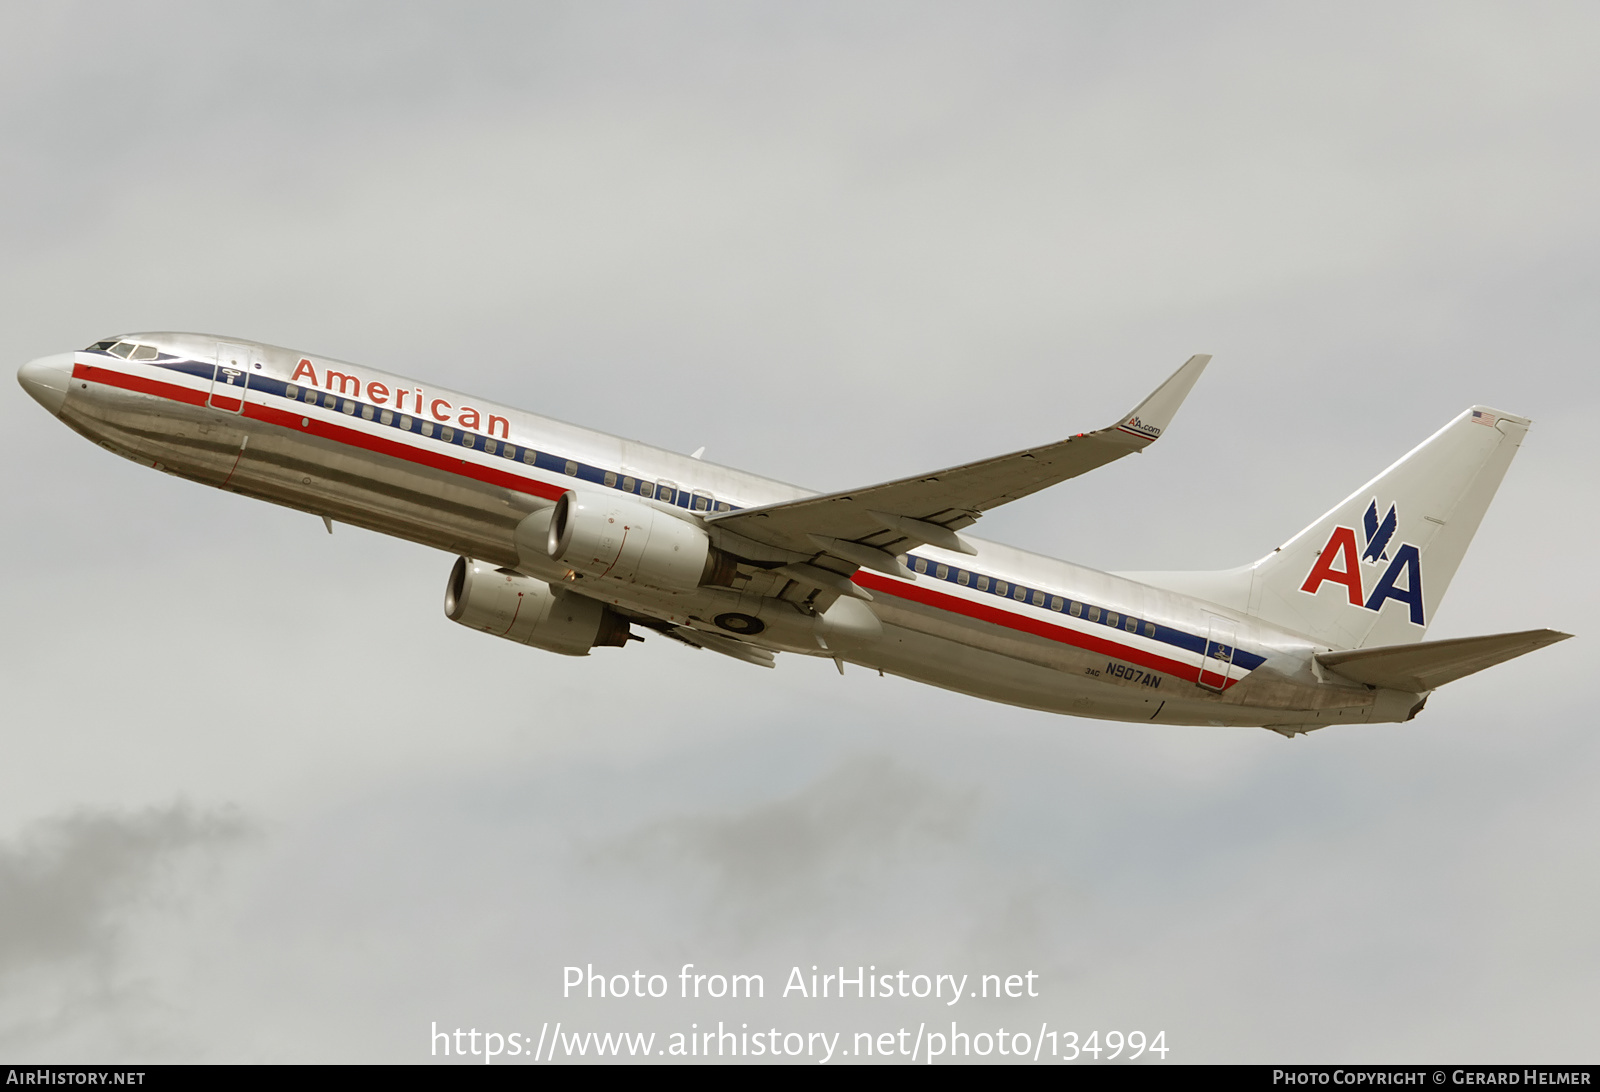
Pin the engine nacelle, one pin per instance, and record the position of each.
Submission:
(613, 536)
(528, 611)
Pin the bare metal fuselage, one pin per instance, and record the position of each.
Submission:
(327, 438)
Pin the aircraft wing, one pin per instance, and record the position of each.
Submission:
(867, 527)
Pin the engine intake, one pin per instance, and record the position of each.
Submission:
(630, 540)
(528, 611)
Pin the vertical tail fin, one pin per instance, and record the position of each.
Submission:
(1373, 570)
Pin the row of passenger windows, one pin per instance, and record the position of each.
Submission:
(1032, 595)
(699, 501)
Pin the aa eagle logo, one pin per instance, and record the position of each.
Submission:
(1340, 564)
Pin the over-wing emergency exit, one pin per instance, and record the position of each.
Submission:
(571, 539)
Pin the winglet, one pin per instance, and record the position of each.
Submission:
(1151, 417)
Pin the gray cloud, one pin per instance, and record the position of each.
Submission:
(83, 899)
(836, 842)
(66, 883)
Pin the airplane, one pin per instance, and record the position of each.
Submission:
(569, 539)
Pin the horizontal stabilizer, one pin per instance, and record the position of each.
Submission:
(1431, 664)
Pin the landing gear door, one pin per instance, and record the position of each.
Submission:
(1216, 664)
(231, 377)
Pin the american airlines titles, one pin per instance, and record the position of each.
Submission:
(414, 400)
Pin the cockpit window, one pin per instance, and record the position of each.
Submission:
(144, 352)
(100, 346)
(122, 349)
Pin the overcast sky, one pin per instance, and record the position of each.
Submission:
(260, 800)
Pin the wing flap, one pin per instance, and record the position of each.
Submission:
(727, 646)
(1431, 664)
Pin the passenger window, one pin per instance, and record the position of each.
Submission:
(467, 439)
(330, 400)
(386, 418)
(144, 352)
(1038, 598)
(311, 397)
(942, 572)
(921, 565)
(701, 503)
(1149, 630)
(122, 349)
(350, 407)
(1132, 625)
(1111, 618)
(1094, 614)
(405, 421)
(509, 451)
(1020, 593)
(291, 391)
(447, 434)
(1075, 609)
(665, 494)
(628, 484)
(530, 456)
(1055, 602)
(572, 468)
(646, 489)
(489, 445)
(983, 583)
(1001, 587)
(366, 413)
(610, 479)
(724, 506)
(427, 428)
(963, 577)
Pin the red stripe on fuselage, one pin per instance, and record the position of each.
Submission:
(343, 434)
(111, 378)
(1038, 627)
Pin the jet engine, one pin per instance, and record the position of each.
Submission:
(614, 536)
(528, 611)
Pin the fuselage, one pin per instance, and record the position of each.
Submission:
(461, 474)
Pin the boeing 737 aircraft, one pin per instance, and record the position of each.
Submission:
(571, 539)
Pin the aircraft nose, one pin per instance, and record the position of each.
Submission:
(46, 380)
